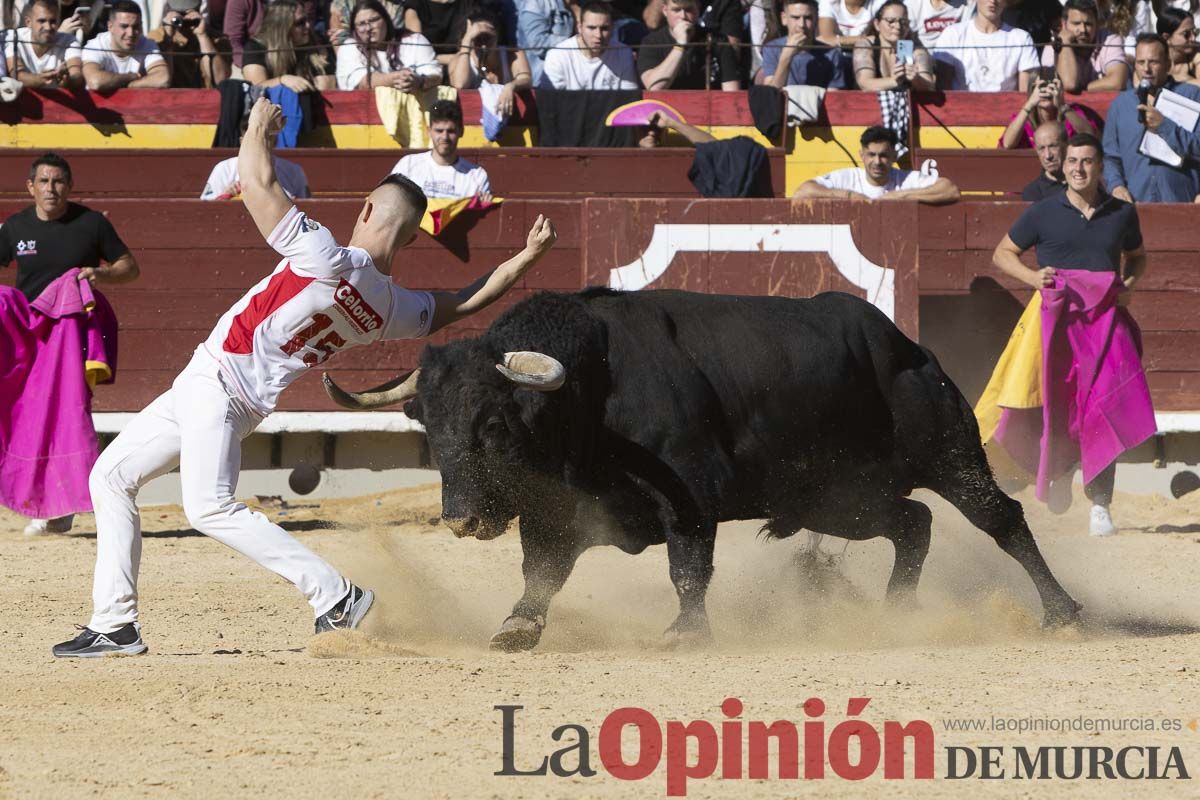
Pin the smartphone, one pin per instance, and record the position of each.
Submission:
(904, 51)
(82, 11)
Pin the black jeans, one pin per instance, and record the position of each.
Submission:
(1100, 489)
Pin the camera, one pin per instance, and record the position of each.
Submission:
(183, 22)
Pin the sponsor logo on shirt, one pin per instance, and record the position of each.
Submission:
(27, 247)
(352, 306)
(938, 24)
(307, 225)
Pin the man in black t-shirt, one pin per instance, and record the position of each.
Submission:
(53, 236)
(1050, 141)
(674, 56)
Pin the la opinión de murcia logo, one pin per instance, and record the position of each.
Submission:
(27, 248)
(633, 745)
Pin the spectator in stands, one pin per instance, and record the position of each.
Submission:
(541, 24)
(983, 54)
(844, 23)
(1039, 18)
(1178, 30)
(590, 60)
(1050, 142)
(928, 18)
(379, 55)
(484, 58)
(243, 18)
(52, 237)
(1046, 103)
(439, 21)
(286, 52)
(341, 10)
(1084, 228)
(442, 172)
(875, 67)
(796, 59)
(1084, 57)
(1131, 175)
(190, 52)
(122, 56)
(675, 57)
(45, 54)
(877, 178)
(224, 183)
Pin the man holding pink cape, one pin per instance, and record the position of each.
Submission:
(1091, 401)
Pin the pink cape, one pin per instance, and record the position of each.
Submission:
(1096, 402)
(47, 441)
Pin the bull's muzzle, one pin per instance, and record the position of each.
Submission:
(462, 526)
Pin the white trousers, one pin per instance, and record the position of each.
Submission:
(199, 426)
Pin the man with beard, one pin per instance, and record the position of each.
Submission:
(44, 54)
(673, 57)
(877, 179)
(122, 56)
(1050, 140)
(441, 172)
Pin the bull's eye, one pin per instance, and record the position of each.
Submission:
(495, 427)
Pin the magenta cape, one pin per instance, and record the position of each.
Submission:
(1095, 399)
(48, 351)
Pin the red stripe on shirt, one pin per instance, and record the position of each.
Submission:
(283, 286)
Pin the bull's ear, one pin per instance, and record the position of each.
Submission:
(533, 370)
(412, 409)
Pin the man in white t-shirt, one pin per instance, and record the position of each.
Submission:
(321, 299)
(588, 60)
(928, 18)
(442, 172)
(877, 179)
(982, 54)
(224, 184)
(122, 56)
(45, 54)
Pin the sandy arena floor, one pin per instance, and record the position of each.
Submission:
(235, 699)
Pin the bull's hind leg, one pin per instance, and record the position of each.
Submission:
(691, 564)
(974, 492)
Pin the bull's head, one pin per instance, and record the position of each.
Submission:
(480, 415)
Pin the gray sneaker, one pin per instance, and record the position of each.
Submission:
(348, 612)
(126, 640)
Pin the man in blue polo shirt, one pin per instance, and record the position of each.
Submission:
(1083, 228)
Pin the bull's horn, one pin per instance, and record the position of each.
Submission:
(533, 370)
(397, 390)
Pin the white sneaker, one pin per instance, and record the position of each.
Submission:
(1101, 523)
(40, 527)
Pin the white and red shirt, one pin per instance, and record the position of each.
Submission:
(320, 300)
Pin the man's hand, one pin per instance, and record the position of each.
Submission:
(266, 117)
(296, 83)
(682, 32)
(795, 41)
(201, 28)
(1154, 117)
(542, 237)
(89, 274)
(1122, 193)
(1043, 278)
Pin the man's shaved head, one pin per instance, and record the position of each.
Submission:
(390, 218)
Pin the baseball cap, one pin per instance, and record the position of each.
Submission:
(183, 6)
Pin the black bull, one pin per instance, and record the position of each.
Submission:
(678, 411)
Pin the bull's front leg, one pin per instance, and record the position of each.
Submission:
(691, 562)
(549, 557)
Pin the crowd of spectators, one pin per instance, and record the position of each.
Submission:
(306, 45)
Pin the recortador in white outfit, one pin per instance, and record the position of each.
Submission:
(320, 299)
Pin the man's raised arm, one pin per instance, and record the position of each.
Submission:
(262, 195)
(450, 307)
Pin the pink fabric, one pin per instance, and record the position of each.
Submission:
(1096, 402)
(47, 442)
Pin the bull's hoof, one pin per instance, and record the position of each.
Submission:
(1061, 615)
(694, 637)
(517, 634)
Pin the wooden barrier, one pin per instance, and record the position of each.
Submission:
(513, 172)
(198, 258)
(999, 172)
